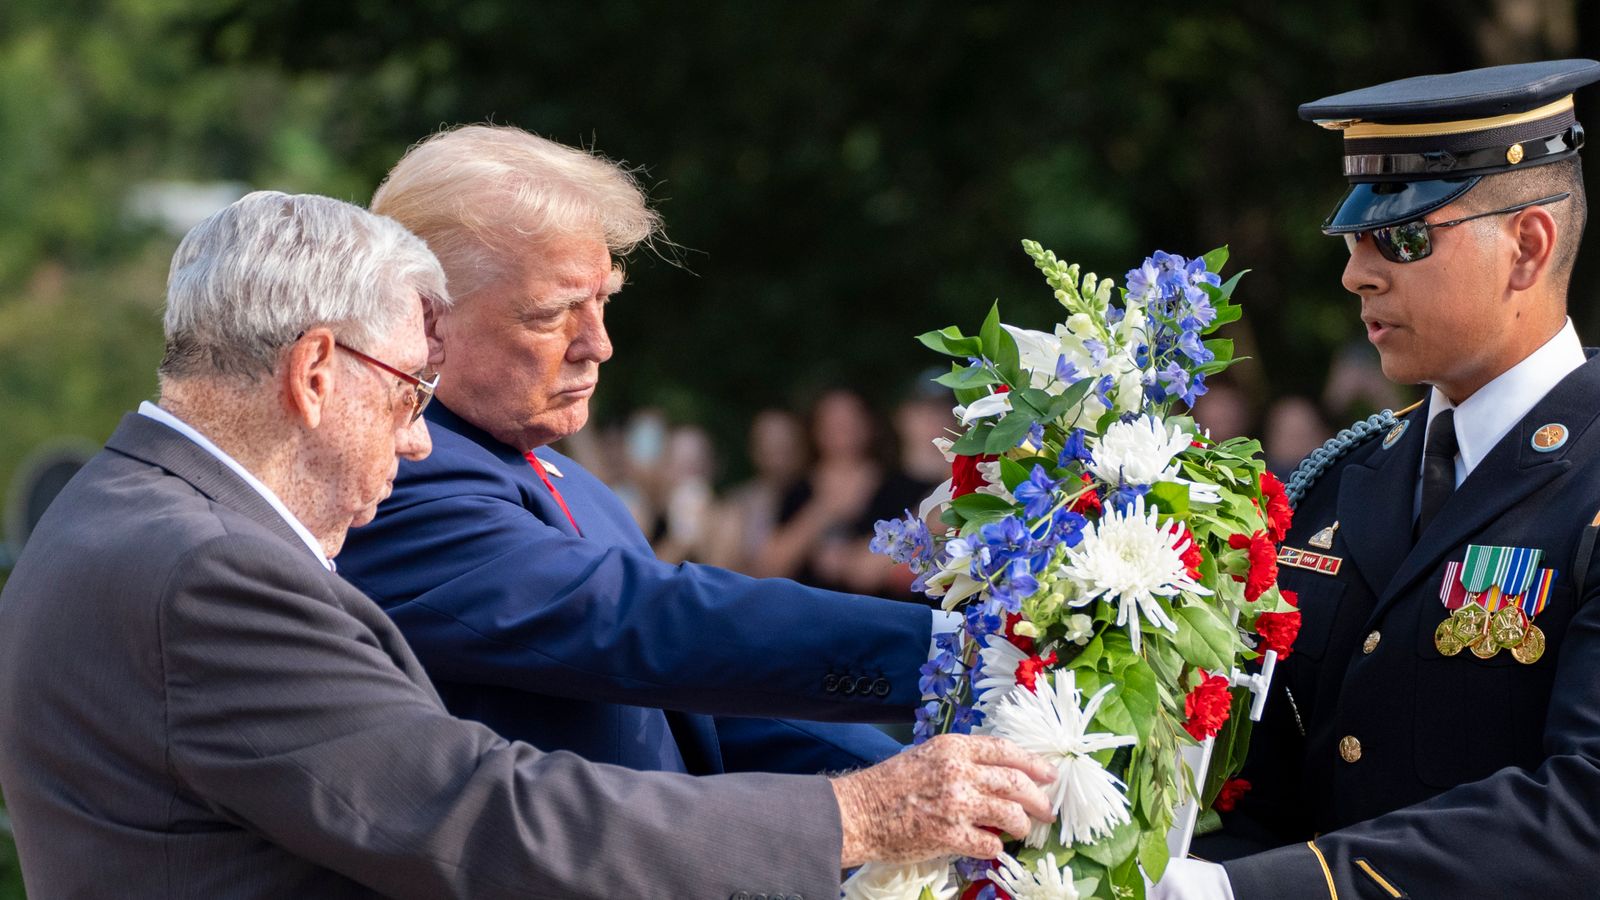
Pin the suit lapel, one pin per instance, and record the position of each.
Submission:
(1375, 499)
(544, 502)
(143, 438)
(1512, 472)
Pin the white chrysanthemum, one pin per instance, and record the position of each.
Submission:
(992, 481)
(1128, 559)
(1087, 801)
(1138, 452)
(1045, 881)
(903, 881)
(997, 672)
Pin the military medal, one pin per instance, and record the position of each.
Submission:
(1531, 648)
(1444, 638)
(1493, 596)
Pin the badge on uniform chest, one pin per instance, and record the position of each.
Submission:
(1493, 596)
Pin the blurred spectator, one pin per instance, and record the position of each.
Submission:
(1294, 428)
(821, 516)
(683, 497)
(644, 441)
(746, 520)
(1224, 411)
(1356, 387)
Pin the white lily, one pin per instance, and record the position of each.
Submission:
(983, 407)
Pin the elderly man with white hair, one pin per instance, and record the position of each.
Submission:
(192, 703)
(521, 580)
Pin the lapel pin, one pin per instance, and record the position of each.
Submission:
(1550, 438)
(1393, 437)
(1323, 540)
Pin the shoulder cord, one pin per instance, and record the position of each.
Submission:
(1321, 459)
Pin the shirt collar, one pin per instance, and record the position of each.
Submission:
(166, 418)
(1485, 417)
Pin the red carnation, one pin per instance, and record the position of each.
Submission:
(1207, 707)
(1232, 790)
(1089, 503)
(1278, 630)
(1021, 642)
(1263, 563)
(964, 476)
(1028, 670)
(1192, 557)
(1279, 515)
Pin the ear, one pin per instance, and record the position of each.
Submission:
(1535, 232)
(308, 376)
(432, 318)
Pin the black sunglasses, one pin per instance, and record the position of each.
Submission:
(1410, 241)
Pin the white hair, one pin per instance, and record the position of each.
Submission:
(480, 194)
(251, 278)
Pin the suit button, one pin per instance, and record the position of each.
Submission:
(847, 685)
(741, 895)
(1371, 643)
(863, 685)
(758, 897)
(1349, 748)
(881, 687)
(830, 683)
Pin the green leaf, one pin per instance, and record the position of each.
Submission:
(977, 503)
(1216, 259)
(1013, 473)
(1087, 659)
(1153, 854)
(1170, 497)
(1069, 400)
(1113, 850)
(990, 333)
(964, 377)
(1204, 639)
(1231, 283)
(1131, 706)
(1008, 432)
(1222, 348)
(1033, 400)
(972, 443)
(1226, 314)
(950, 342)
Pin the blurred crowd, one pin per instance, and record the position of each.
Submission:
(820, 478)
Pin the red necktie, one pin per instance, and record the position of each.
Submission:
(538, 467)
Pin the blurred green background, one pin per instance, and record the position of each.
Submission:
(838, 176)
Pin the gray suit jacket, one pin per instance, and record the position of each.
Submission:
(192, 707)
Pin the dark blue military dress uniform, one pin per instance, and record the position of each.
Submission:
(1385, 767)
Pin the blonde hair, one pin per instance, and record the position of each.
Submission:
(478, 193)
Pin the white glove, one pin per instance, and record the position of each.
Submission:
(1191, 879)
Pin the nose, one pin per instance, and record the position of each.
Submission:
(413, 441)
(1364, 273)
(590, 342)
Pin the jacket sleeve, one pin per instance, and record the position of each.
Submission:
(806, 748)
(1516, 833)
(292, 716)
(486, 593)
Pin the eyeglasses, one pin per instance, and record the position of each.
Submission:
(421, 391)
(1410, 241)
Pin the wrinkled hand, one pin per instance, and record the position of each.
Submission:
(936, 800)
(1191, 879)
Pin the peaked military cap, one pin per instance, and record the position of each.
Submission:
(1414, 145)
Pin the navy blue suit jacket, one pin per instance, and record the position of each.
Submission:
(1388, 769)
(579, 643)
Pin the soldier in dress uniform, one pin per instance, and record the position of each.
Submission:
(1436, 730)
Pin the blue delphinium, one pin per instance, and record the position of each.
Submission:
(1173, 292)
(1075, 449)
(905, 540)
(1037, 494)
(927, 722)
(965, 719)
(1122, 496)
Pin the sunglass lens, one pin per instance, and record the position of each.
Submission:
(1404, 243)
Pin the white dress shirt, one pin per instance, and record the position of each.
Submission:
(1484, 418)
(153, 411)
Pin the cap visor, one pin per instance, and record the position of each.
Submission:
(1389, 203)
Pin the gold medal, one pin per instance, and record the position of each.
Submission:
(1470, 621)
(1444, 638)
(1508, 626)
(1531, 648)
(1485, 648)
